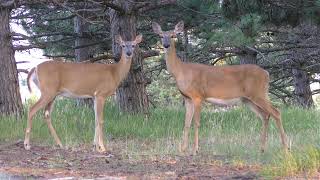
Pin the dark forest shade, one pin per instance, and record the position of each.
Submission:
(10, 100)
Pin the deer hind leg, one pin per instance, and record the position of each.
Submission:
(197, 112)
(32, 111)
(98, 107)
(265, 120)
(47, 116)
(187, 123)
(267, 107)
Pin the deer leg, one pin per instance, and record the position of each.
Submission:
(282, 133)
(95, 140)
(187, 123)
(32, 111)
(197, 112)
(47, 116)
(98, 106)
(266, 106)
(265, 120)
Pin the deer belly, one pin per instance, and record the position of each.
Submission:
(69, 94)
(224, 102)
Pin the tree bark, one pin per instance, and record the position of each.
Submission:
(248, 57)
(131, 95)
(302, 91)
(10, 100)
(185, 44)
(81, 54)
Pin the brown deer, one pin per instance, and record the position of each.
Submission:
(79, 80)
(224, 85)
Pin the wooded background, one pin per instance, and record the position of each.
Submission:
(282, 36)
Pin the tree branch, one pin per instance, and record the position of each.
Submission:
(21, 62)
(22, 48)
(107, 56)
(88, 45)
(6, 3)
(301, 46)
(25, 37)
(225, 51)
(150, 53)
(61, 19)
(154, 5)
(58, 56)
(111, 5)
(23, 71)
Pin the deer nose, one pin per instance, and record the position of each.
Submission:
(129, 53)
(166, 45)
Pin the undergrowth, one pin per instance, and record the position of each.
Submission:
(234, 134)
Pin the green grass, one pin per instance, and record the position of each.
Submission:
(234, 134)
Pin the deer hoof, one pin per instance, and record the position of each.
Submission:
(59, 146)
(194, 152)
(182, 149)
(100, 149)
(27, 146)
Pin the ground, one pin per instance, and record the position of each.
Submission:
(47, 162)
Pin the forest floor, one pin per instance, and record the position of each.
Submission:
(147, 148)
(47, 162)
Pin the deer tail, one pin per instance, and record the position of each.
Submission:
(29, 78)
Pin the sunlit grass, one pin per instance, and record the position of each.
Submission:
(234, 134)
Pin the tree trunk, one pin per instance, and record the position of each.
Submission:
(131, 95)
(302, 91)
(185, 44)
(10, 100)
(248, 57)
(81, 54)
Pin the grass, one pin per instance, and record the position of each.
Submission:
(234, 134)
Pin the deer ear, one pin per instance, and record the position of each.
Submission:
(179, 27)
(138, 39)
(118, 39)
(156, 28)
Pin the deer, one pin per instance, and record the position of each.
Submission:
(222, 85)
(79, 80)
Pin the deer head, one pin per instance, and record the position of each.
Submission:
(128, 46)
(166, 36)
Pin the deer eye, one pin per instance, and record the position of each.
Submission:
(122, 45)
(132, 45)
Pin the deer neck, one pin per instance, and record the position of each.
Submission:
(123, 67)
(172, 60)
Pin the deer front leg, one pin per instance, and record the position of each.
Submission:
(197, 112)
(264, 133)
(187, 123)
(95, 140)
(98, 106)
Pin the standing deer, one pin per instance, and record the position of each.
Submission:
(79, 80)
(224, 85)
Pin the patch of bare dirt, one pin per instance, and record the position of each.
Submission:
(46, 162)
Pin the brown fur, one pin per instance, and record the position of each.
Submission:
(79, 80)
(198, 83)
